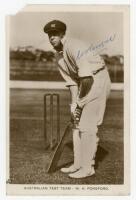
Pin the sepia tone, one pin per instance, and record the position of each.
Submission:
(40, 113)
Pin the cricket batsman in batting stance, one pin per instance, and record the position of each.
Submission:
(88, 80)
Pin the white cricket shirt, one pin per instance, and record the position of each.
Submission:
(77, 60)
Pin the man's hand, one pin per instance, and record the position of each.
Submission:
(77, 114)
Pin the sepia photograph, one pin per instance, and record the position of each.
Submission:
(68, 100)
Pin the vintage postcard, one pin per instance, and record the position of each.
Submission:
(68, 100)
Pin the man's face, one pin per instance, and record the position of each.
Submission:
(55, 38)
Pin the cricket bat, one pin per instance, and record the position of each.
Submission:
(59, 149)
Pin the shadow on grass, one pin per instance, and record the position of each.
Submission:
(100, 156)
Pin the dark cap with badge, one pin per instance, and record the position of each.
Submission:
(55, 25)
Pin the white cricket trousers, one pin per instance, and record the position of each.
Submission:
(86, 140)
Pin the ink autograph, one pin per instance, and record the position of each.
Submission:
(93, 48)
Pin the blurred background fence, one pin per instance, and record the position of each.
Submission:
(27, 63)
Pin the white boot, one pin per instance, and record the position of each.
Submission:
(77, 153)
(88, 151)
(81, 173)
(70, 169)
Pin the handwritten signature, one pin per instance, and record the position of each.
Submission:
(93, 48)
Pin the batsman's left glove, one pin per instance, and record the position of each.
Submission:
(77, 114)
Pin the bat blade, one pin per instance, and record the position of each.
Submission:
(58, 151)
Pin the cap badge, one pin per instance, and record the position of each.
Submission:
(53, 25)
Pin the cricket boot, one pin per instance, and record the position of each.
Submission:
(81, 173)
(88, 150)
(77, 153)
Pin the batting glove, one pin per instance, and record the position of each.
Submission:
(77, 114)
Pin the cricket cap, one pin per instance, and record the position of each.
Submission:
(55, 25)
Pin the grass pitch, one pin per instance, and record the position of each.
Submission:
(28, 157)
